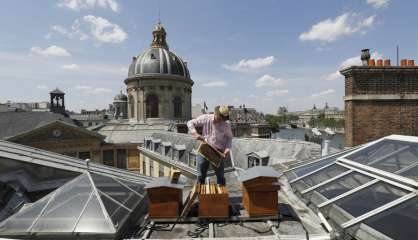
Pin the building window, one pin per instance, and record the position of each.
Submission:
(161, 170)
(151, 168)
(108, 158)
(152, 103)
(121, 158)
(177, 107)
(84, 155)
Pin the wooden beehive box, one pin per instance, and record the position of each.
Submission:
(259, 191)
(165, 198)
(213, 201)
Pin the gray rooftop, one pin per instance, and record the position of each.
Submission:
(14, 123)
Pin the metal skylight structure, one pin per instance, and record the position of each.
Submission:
(89, 205)
(367, 193)
(50, 196)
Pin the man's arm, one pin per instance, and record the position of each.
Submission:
(197, 122)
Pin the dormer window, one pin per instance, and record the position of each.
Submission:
(167, 149)
(152, 56)
(178, 153)
(260, 158)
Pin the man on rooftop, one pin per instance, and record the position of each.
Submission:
(216, 130)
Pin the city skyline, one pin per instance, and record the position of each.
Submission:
(261, 55)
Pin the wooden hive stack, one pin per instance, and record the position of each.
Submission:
(165, 198)
(213, 201)
(259, 190)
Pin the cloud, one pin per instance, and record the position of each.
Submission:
(91, 27)
(88, 90)
(215, 84)
(51, 51)
(250, 64)
(42, 87)
(99, 29)
(378, 3)
(330, 30)
(71, 67)
(77, 5)
(325, 92)
(353, 61)
(276, 93)
(268, 81)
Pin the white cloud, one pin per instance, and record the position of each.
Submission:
(71, 67)
(51, 51)
(42, 87)
(250, 64)
(215, 84)
(91, 27)
(353, 61)
(276, 93)
(77, 5)
(268, 81)
(101, 30)
(88, 90)
(325, 92)
(378, 3)
(330, 30)
(252, 96)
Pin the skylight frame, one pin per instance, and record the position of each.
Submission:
(393, 176)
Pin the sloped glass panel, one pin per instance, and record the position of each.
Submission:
(137, 187)
(22, 220)
(387, 155)
(399, 222)
(324, 174)
(370, 198)
(115, 190)
(411, 173)
(93, 219)
(343, 184)
(117, 213)
(63, 211)
(298, 172)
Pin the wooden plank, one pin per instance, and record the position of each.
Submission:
(190, 199)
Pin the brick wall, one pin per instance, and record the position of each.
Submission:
(369, 112)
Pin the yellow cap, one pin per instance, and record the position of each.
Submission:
(222, 111)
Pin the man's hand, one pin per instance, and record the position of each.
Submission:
(226, 152)
(199, 137)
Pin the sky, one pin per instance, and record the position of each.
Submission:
(264, 53)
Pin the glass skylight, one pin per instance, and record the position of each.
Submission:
(371, 191)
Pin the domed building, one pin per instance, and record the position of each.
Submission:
(159, 86)
(120, 103)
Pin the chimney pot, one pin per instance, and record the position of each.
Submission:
(411, 63)
(387, 63)
(372, 63)
(379, 63)
(404, 63)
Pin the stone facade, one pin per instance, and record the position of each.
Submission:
(380, 101)
(159, 97)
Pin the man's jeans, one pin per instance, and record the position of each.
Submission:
(202, 169)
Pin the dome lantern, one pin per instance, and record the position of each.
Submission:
(159, 34)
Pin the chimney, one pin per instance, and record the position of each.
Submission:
(404, 63)
(365, 56)
(372, 63)
(411, 63)
(379, 63)
(387, 63)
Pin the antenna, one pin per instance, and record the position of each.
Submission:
(159, 12)
(397, 55)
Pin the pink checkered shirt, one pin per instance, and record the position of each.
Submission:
(218, 134)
